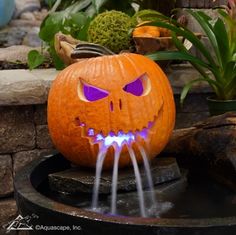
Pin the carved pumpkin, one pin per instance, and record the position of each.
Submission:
(123, 98)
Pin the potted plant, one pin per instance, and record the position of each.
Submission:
(218, 68)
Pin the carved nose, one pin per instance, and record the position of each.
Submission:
(112, 105)
(120, 104)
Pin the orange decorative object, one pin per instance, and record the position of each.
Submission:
(110, 102)
(147, 32)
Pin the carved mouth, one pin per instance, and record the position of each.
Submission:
(120, 138)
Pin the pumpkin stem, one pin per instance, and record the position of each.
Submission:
(88, 50)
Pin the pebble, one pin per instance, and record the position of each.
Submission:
(31, 38)
(26, 6)
(27, 16)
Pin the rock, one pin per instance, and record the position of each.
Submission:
(32, 39)
(25, 23)
(6, 182)
(12, 36)
(26, 6)
(40, 15)
(17, 131)
(164, 193)
(23, 158)
(27, 16)
(43, 139)
(15, 53)
(8, 212)
(40, 115)
(211, 144)
(77, 179)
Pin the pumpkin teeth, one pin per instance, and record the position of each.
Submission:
(120, 138)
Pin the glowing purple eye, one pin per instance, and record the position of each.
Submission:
(92, 93)
(135, 87)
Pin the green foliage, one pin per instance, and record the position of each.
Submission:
(218, 68)
(35, 59)
(144, 15)
(74, 16)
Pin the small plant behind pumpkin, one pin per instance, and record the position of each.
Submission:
(73, 18)
(218, 68)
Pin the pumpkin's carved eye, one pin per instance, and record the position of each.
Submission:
(139, 86)
(90, 93)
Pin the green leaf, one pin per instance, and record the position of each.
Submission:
(176, 55)
(35, 59)
(83, 33)
(222, 41)
(180, 55)
(187, 87)
(50, 26)
(188, 35)
(203, 20)
(179, 45)
(58, 63)
(98, 4)
(79, 19)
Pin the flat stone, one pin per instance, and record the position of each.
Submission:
(6, 182)
(77, 179)
(23, 158)
(21, 87)
(8, 212)
(25, 23)
(43, 139)
(16, 53)
(17, 130)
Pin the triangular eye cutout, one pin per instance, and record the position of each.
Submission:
(91, 93)
(138, 86)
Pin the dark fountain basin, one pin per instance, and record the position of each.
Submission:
(209, 208)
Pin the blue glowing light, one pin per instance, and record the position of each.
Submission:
(120, 139)
(91, 132)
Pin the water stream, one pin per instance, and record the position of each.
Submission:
(149, 178)
(100, 159)
(144, 211)
(114, 181)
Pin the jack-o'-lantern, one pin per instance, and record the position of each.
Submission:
(110, 102)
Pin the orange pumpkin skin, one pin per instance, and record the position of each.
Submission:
(70, 115)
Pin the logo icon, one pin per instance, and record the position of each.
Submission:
(21, 223)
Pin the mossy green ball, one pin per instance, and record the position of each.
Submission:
(111, 29)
